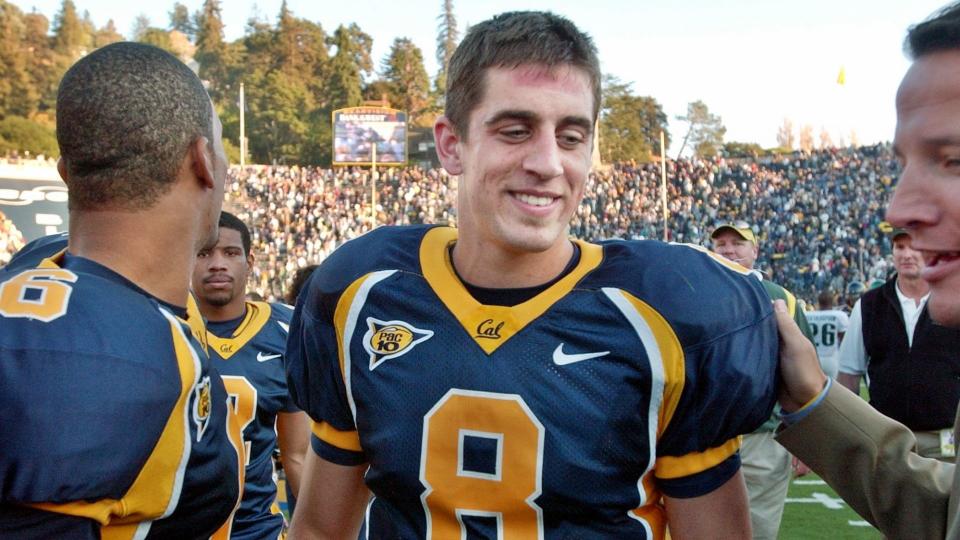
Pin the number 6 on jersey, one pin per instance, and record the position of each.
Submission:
(41, 294)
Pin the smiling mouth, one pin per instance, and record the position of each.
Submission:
(533, 200)
(933, 258)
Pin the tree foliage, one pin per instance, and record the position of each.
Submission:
(630, 125)
(806, 138)
(705, 130)
(743, 150)
(106, 35)
(351, 59)
(157, 37)
(785, 136)
(407, 82)
(139, 28)
(180, 20)
(447, 38)
(18, 93)
(70, 36)
(294, 73)
(20, 134)
(826, 141)
(447, 34)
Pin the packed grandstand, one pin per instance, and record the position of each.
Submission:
(818, 215)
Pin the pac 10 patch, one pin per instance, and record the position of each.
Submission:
(390, 339)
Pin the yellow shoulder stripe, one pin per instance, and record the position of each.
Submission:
(341, 314)
(53, 261)
(344, 440)
(695, 462)
(671, 354)
(791, 303)
(150, 494)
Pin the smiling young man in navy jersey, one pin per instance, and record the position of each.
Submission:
(503, 380)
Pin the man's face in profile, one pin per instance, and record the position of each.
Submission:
(927, 199)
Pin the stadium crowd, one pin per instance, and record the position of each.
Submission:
(298, 215)
(818, 215)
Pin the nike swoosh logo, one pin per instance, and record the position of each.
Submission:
(561, 358)
(264, 357)
(285, 326)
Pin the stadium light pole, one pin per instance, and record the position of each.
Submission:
(243, 137)
(663, 181)
(373, 186)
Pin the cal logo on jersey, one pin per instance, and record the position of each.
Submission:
(201, 406)
(489, 329)
(389, 339)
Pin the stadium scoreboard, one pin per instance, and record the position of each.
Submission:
(369, 136)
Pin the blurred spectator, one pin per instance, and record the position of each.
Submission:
(10, 239)
(298, 215)
(909, 362)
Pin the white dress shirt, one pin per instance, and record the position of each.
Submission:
(853, 353)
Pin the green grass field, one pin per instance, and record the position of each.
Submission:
(815, 512)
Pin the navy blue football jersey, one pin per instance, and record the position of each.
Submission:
(114, 425)
(249, 353)
(566, 416)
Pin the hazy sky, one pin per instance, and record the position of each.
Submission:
(753, 62)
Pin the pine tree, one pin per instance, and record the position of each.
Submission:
(447, 37)
(106, 35)
(209, 26)
(18, 94)
(180, 20)
(407, 81)
(141, 24)
(705, 130)
(630, 125)
(213, 54)
(69, 37)
(352, 57)
(43, 64)
(300, 46)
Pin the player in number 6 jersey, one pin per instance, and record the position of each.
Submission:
(501, 380)
(247, 343)
(114, 425)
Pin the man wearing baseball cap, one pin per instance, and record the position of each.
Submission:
(766, 464)
(910, 362)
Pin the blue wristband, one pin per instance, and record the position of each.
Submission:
(796, 416)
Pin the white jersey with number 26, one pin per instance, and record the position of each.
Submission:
(826, 327)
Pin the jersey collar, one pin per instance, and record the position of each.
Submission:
(492, 326)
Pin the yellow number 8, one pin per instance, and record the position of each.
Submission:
(241, 409)
(52, 294)
(508, 492)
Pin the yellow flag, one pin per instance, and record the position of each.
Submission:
(842, 76)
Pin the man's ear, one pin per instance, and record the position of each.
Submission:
(62, 171)
(202, 161)
(448, 145)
